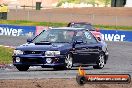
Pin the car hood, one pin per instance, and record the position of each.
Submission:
(52, 46)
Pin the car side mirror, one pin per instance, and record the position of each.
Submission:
(29, 40)
(97, 29)
(99, 39)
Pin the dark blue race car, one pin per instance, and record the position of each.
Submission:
(61, 48)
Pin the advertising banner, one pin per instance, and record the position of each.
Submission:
(12, 30)
(116, 35)
(39, 29)
(29, 31)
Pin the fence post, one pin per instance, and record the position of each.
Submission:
(28, 14)
(116, 18)
(93, 17)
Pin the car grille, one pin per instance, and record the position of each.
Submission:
(32, 61)
(33, 52)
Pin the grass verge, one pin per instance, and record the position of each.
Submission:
(31, 23)
(5, 55)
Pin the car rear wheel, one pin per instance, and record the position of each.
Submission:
(22, 68)
(68, 61)
(100, 62)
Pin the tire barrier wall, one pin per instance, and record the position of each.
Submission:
(30, 31)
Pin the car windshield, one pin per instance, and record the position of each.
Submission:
(78, 25)
(55, 36)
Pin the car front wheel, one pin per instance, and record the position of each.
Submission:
(22, 68)
(68, 61)
(100, 62)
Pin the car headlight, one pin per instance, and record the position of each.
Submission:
(16, 52)
(52, 53)
(18, 59)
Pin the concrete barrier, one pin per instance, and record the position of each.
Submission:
(103, 15)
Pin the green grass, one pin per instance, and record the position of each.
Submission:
(5, 55)
(53, 24)
(31, 23)
(108, 27)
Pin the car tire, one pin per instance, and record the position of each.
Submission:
(68, 61)
(22, 68)
(100, 62)
(81, 80)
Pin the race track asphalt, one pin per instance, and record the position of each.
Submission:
(120, 62)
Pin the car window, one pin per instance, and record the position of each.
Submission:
(79, 25)
(79, 36)
(55, 36)
(41, 36)
(89, 38)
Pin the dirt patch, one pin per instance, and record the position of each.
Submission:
(55, 83)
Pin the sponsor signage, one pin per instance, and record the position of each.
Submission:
(39, 29)
(12, 30)
(107, 35)
(83, 78)
(116, 35)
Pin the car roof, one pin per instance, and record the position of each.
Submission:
(68, 28)
(80, 23)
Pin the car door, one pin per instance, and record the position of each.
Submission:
(88, 51)
(79, 52)
(92, 48)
